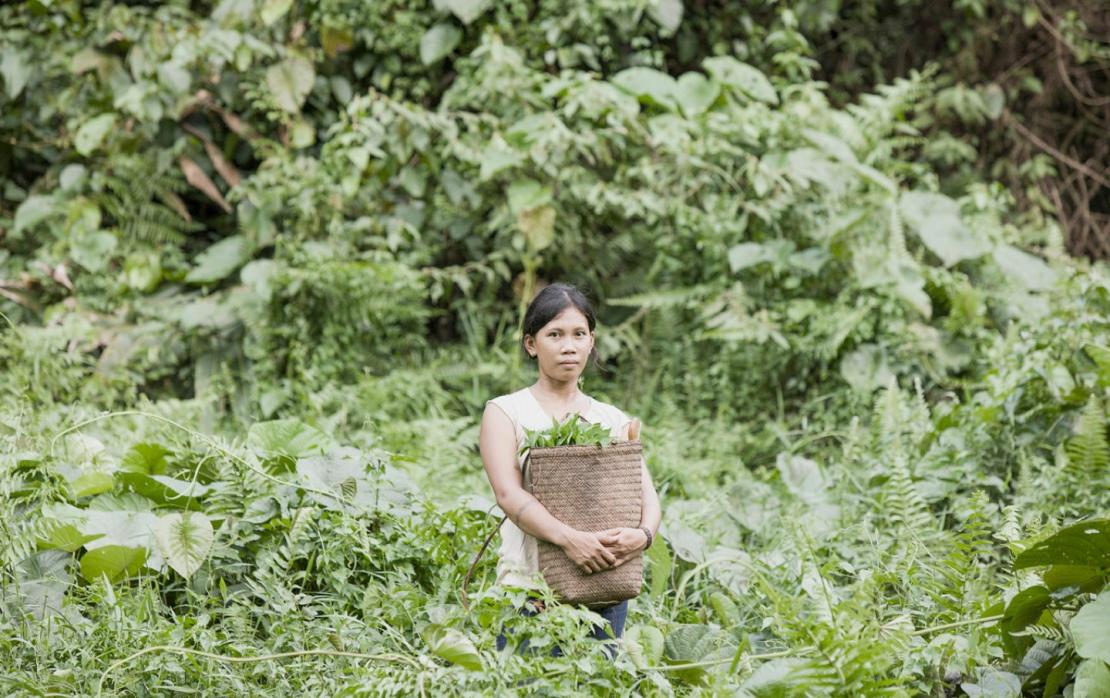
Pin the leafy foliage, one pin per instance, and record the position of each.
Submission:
(263, 262)
(574, 430)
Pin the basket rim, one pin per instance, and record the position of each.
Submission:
(585, 447)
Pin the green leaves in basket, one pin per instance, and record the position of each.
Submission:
(575, 430)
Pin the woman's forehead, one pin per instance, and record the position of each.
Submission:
(568, 317)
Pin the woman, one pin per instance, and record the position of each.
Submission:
(558, 334)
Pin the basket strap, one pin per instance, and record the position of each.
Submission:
(485, 544)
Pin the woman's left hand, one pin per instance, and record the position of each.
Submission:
(623, 542)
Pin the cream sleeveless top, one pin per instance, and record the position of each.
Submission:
(518, 563)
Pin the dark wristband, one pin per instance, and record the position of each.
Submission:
(647, 532)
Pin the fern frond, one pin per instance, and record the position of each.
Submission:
(1088, 451)
(956, 583)
(909, 507)
(1051, 633)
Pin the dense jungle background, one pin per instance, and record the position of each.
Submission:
(262, 262)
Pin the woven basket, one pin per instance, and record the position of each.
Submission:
(589, 488)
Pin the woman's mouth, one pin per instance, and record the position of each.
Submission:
(568, 363)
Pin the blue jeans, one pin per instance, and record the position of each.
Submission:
(614, 616)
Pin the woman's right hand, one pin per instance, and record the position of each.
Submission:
(586, 550)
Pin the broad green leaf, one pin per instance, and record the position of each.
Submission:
(184, 540)
(1087, 579)
(728, 613)
(131, 529)
(831, 145)
(538, 226)
(667, 14)
(936, 220)
(123, 501)
(32, 210)
(527, 194)
(909, 285)
(343, 471)
(220, 260)
(695, 93)
(85, 60)
(1092, 680)
(994, 100)
(273, 10)
(73, 176)
(811, 166)
(290, 81)
(686, 543)
(994, 684)
(336, 40)
(803, 477)
(146, 458)
(644, 644)
(466, 10)
(43, 579)
(175, 76)
(89, 483)
(209, 311)
(439, 41)
(661, 564)
(779, 678)
(1091, 629)
(115, 561)
(65, 537)
(92, 133)
(1027, 270)
(741, 76)
(1085, 544)
(94, 250)
(647, 84)
(286, 439)
(1101, 356)
(496, 157)
(865, 368)
(748, 254)
(163, 489)
(15, 67)
(302, 134)
(452, 645)
(1026, 606)
(142, 271)
(258, 275)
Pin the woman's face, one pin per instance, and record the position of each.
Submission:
(562, 346)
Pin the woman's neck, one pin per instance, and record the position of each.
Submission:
(562, 391)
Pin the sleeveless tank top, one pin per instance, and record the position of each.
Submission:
(518, 561)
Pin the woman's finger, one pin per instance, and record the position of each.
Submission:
(608, 556)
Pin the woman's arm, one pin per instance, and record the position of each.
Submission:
(497, 444)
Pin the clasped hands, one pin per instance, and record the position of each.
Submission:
(594, 551)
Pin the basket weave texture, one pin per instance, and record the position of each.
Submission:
(589, 488)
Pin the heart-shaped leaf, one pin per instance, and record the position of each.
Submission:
(184, 539)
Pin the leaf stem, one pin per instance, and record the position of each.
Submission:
(715, 662)
(957, 624)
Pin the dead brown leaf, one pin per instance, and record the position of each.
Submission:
(197, 177)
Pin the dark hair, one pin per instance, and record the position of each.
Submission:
(549, 302)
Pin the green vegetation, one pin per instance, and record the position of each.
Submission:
(574, 430)
(261, 264)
